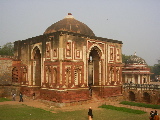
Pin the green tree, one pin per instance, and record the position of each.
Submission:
(155, 69)
(125, 58)
(7, 49)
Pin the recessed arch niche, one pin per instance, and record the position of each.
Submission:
(36, 66)
(94, 66)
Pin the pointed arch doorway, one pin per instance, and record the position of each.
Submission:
(94, 67)
(36, 67)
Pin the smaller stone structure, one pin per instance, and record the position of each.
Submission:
(136, 82)
(148, 93)
(136, 71)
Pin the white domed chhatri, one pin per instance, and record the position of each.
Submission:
(136, 71)
(134, 59)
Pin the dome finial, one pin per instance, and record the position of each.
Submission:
(69, 15)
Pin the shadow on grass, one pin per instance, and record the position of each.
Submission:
(123, 109)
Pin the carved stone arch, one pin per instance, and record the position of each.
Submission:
(35, 47)
(158, 98)
(146, 97)
(15, 73)
(144, 78)
(111, 76)
(94, 66)
(132, 96)
(24, 75)
(48, 50)
(48, 74)
(77, 75)
(68, 77)
(36, 65)
(96, 47)
(55, 76)
(118, 75)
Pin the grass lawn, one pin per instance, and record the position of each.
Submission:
(4, 99)
(140, 104)
(23, 112)
(128, 110)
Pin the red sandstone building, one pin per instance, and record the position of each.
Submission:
(68, 59)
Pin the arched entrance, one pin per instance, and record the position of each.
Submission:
(146, 97)
(131, 96)
(36, 68)
(15, 74)
(94, 67)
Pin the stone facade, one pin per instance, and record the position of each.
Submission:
(63, 66)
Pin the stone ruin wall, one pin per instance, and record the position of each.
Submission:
(5, 71)
(6, 87)
(153, 96)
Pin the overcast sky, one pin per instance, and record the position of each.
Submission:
(134, 22)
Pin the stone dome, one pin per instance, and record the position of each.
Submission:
(70, 24)
(136, 60)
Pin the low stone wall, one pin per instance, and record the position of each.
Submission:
(28, 91)
(118, 98)
(59, 105)
(112, 91)
(146, 96)
(7, 91)
(64, 96)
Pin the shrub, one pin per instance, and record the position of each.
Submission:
(122, 109)
(140, 104)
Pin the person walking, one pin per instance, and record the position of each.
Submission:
(21, 97)
(34, 95)
(14, 97)
(90, 115)
(156, 117)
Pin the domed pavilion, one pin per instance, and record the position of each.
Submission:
(68, 63)
(136, 71)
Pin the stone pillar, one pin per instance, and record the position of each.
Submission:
(42, 70)
(85, 65)
(34, 66)
(100, 73)
(103, 73)
(29, 74)
(61, 57)
(139, 81)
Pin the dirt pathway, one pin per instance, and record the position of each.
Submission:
(93, 104)
(28, 102)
